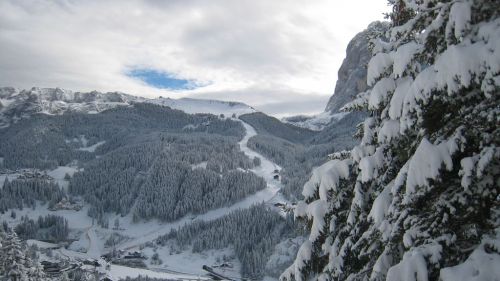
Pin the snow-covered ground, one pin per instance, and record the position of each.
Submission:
(94, 249)
(267, 168)
(186, 261)
(60, 172)
(215, 107)
(117, 272)
(92, 148)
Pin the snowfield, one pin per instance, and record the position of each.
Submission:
(193, 106)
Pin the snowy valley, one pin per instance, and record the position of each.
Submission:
(397, 179)
(114, 180)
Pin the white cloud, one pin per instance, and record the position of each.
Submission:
(281, 56)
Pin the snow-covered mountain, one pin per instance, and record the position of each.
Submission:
(351, 81)
(16, 104)
(216, 107)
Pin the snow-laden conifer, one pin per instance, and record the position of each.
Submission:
(418, 198)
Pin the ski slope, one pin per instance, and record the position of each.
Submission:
(93, 250)
(216, 107)
(265, 170)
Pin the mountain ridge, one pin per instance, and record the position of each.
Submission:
(16, 104)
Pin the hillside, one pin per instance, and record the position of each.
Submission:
(112, 171)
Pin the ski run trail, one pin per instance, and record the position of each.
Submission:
(266, 170)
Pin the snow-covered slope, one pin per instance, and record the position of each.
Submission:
(16, 104)
(315, 122)
(215, 107)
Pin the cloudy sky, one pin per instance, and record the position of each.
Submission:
(280, 56)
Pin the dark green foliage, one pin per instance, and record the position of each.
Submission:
(136, 142)
(421, 199)
(48, 141)
(173, 189)
(21, 193)
(252, 232)
(159, 174)
(297, 160)
(49, 228)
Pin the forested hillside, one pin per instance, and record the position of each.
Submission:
(145, 156)
(47, 141)
(253, 233)
(160, 176)
(141, 161)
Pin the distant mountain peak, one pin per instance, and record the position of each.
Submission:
(16, 104)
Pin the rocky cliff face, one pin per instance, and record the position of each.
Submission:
(18, 104)
(351, 81)
(352, 72)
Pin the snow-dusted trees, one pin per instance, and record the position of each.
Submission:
(418, 198)
(14, 263)
(173, 190)
(49, 141)
(48, 228)
(252, 232)
(20, 193)
(168, 176)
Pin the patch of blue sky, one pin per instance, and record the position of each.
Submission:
(162, 80)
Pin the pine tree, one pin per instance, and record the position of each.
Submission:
(13, 258)
(417, 199)
(15, 264)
